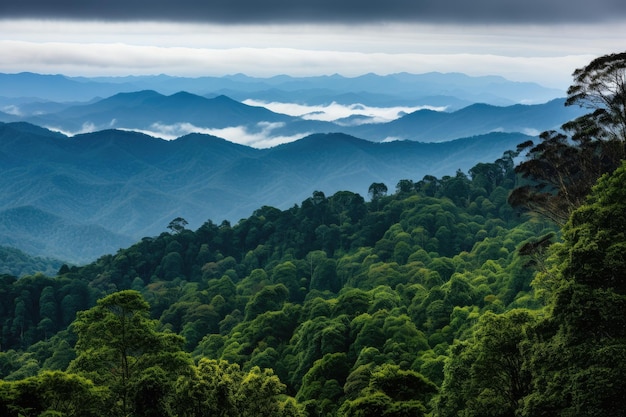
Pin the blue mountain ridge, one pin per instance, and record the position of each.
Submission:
(127, 185)
(401, 86)
(150, 111)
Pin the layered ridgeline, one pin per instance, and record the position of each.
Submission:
(437, 89)
(437, 299)
(75, 198)
(170, 116)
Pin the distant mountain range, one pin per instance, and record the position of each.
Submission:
(179, 113)
(76, 198)
(110, 178)
(437, 89)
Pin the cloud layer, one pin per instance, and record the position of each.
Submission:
(350, 11)
(335, 111)
(546, 54)
(533, 40)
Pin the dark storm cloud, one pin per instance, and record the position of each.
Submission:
(348, 11)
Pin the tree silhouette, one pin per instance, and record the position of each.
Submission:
(561, 170)
(177, 225)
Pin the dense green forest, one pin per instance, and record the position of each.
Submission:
(497, 292)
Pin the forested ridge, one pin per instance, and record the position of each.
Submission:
(437, 298)
(17, 263)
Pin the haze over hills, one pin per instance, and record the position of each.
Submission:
(90, 190)
(180, 113)
(77, 198)
(371, 89)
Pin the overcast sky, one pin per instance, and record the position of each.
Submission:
(526, 40)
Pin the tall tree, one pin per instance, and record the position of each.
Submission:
(601, 87)
(561, 170)
(377, 190)
(117, 341)
(177, 225)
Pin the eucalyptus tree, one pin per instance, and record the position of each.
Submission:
(561, 169)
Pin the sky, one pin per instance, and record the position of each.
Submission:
(542, 41)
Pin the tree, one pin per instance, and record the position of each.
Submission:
(177, 225)
(377, 190)
(209, 390)
(322, 385)
(402, 385)
(269, 298)
(347, 206)
(405, 186)
(219, 388)
(601, 87)
(117, 341)
(487, 175)
(595, 239)
(487, 376)
(392, 392)
(53, 393)
(560, 174)
(561, 171)
(151, 392)
(587, 326)
(258, 394)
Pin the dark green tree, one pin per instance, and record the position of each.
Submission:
(177, 225)
(488, 377)
(577, 353)
(377, 190)
(392, 392)
(53, 394)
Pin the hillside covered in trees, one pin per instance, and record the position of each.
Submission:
(437, 298)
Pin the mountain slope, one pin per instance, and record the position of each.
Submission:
(433, 126)
(143, 110)
(131, 185)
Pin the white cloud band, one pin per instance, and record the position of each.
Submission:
(544, 54)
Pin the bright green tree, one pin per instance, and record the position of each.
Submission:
(53, 393)
(117, 341)
(391, 392)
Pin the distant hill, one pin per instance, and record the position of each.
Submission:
(76, 198)
(17, 263)
(143, 109)
(480, 118)
(180, 113)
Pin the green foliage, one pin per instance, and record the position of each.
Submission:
(220, 388)
(53, 393)
(117, 343)
(487, 375)
(391, 391)
(587, 324)
(437, 300)
(353, 306)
